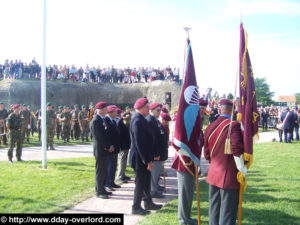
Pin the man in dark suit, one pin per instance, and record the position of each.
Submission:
(141, 157)
(114, 135)
(102, 146)
(288, 124)
(223, 169)
(265, 115)
(152, 118)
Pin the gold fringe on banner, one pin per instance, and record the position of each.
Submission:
(227, 147)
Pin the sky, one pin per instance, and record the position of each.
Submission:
(150, 33)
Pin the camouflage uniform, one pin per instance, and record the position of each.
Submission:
(3, 116)
(26, 119)
(50, 120)
(14, 124)
(84, 124)
(58, 124)
(66, 125)
(38, 116)
(75, 129)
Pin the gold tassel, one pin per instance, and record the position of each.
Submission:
(239, 117)
(227, 147)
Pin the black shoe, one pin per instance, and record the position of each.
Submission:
(160, 188)
(108, 189)
(108, 193)
(20, 160)
(140, 211)
(122, 181)
(51, 147)
(10, 161)
(103, 196)
(126, 177)
(157, 195)
(152, 206)
(115, 186)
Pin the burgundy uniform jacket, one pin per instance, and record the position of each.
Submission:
(222, 170)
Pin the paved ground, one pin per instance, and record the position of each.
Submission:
(121, 200)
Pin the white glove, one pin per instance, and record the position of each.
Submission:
(28, 126)
(240, 165)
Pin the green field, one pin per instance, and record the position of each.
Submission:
(26, 188)
(272, 196)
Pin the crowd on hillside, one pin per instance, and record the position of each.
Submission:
(21, 70)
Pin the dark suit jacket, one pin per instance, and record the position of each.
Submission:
(156, 133)
(124, 135)
(102, 140)
(114, 135)
(289, 123)
(222, 170)
(141, 149)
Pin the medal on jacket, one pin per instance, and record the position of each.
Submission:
(104, 125)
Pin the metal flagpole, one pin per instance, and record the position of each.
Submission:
(43, 94)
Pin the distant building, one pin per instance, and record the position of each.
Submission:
(289, 101)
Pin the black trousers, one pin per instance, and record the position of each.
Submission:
(142, 187)
(101, 173)
(223, 206)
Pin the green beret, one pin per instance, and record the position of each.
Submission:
(60, 107)
(83, 106)
(11, 105)
(24, 105)
(66, 106)
(127, 107)
(49, 103)
(1, 103)
(75, 106)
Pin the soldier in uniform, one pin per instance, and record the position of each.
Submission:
(75, 129)
(102, 146)
(58, 123)
(14, 124)
(65, 119)
(152, 118)
(10, 109)
(223, 169)
(83, 118)
(186, 177)
(51, 125)
(26, 123)
(38, 117)
(141, 158)
(114, 134)
(3, 117)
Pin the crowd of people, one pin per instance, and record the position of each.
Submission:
(20, 70)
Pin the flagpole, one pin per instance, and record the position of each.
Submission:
(240, 204)
(198, 195)
(43, 94)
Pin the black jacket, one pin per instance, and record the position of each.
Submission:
(102, 140)
(124, 135)
(158, 139)
(114, 134)
(141, 149)
(289, 123)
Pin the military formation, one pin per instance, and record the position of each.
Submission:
(19, 123)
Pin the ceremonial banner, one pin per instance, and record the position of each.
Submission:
(248, 115)
(188, 121)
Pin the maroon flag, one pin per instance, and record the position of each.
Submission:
(188, 123)
(248, 115)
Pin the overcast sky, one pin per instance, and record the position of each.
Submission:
(150, 33)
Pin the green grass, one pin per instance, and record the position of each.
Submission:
(34, 141)
(26, 188)
(272, 196)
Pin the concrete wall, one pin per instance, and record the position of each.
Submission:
(69, 93)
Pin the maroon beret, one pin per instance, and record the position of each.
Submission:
(100, 105)
(225, 101)
(165, 116)
(202, 102)
(140, 103)
(16, 106)
(165, 110)
(119, 111)
(155, 105)
(111, 108)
